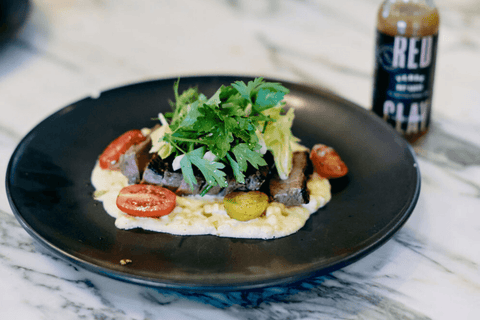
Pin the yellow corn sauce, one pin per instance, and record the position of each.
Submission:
(196, 215)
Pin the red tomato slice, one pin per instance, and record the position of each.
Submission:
(119, 146)
(145, 200)
(327, 162)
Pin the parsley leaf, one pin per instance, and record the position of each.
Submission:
(244, 155)
(228, 124)
(237, 172)
(210, 169)
(247, 91)
(267, 99)
(180, 107)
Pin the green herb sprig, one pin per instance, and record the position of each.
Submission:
(227, 125)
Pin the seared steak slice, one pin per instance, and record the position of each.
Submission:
(213, 191)
(133, 162)
(254, 179)
(185, 190)
(293, 190)
(160, 172)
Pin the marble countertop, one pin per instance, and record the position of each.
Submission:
(68, 50)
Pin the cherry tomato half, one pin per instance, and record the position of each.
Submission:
(327, 162)
(145, 200)
(119, 146)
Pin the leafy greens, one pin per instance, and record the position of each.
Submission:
(230, 127)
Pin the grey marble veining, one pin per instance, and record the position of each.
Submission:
(366, 289)
(69, 50)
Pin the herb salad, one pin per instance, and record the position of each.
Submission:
(235, 127)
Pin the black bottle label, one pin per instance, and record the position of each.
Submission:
(403, 82)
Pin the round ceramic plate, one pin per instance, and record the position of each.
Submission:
(49, 189)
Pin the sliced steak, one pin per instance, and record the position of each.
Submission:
(160, 172)
(185, 190)
(214, 191)
(133, 162)
(293, 190)
(254, 180)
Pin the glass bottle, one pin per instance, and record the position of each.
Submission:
(405, 57)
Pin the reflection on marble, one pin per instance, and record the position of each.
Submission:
(72, 49)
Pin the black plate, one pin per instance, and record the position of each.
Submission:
(49, 189)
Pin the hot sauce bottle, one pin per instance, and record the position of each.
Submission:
(405, 56)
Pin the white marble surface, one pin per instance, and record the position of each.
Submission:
(71, 49)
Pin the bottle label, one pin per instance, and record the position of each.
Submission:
(404, 73)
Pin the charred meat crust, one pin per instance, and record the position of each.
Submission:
(140, 166)
(254, 180)
(160, 172)
(133, 162)
(292, 191)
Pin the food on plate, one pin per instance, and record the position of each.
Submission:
(327, 162)
(110, 156)
(227, 165)
(146, 200)
(245, 205)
